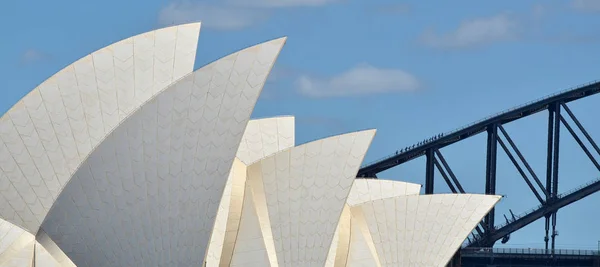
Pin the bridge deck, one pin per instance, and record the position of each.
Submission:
(525, 257)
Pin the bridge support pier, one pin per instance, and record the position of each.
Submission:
(429, 171)
(554, 121)
(490, 172)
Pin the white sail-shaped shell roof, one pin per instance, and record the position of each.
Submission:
(150, 191)
(265, 137)
(387, 223)
(128, 158)
(49, 132)
(354, 246)
(262, 138)
(302, 191)
(422, 230)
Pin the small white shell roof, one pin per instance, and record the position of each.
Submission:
(303, 191)
(149, 193)
(250, 248)
(423, 230)
(47, 135)
(265, 137)
(364, 190)
(9, 233)
(262, 138)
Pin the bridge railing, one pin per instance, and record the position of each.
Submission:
(539, 206)
(530, 251)
(491, 116)
(477, 236)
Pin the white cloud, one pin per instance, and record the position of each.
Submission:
(212, 16)
(360, 80)
(475, 32)
(586, 5)
(32, 55)
(283, 3)
(228, 14)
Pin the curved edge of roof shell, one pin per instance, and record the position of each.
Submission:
(150, 191)
(266, 136)
(418, 226)
(301, 191)
(262, 137)
(47, 134)
(364, 190)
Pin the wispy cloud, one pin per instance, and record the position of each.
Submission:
(586, 5)
(536, 28)
(33, 55)
(282, 3)
(360, 80)
(228, 14)
(212, 16)
(474, 32)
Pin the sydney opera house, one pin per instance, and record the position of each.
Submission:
(129, 157)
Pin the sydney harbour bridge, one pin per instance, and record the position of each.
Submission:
(478, 249)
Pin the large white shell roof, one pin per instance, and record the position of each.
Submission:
(128, 158)
(49, 132)
(149, 193)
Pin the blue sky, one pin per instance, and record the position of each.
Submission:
(411, 69)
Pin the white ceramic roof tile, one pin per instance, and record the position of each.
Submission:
(149, 193)
(217, 237)
(364, 190)
(250, 249)
(19, 253)
(9, 233)
(408, 230)
(331, 254)
(338, 252)
(228, 218)
(305, 189)
(264, 137)
(343, 245)
(361, 252)
(46, 135)
(256, 187)
(23, 258)
(235, 213)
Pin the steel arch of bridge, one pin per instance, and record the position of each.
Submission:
(547, 193)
